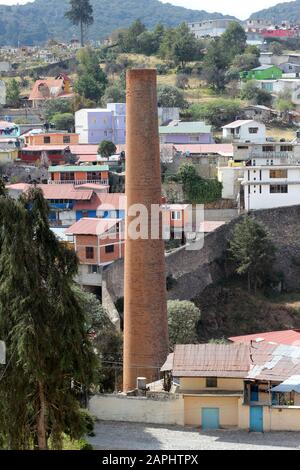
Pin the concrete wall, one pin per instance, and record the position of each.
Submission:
(137, 409)
(193, 271)
(228, 407)
(281, 419)
(199, 383)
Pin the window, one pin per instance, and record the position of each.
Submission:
(93, 269)
(67, 139)
(67, 176)
(85, 214)
(279, 189)
(109, 249)
(242, 147)
(253, 130)
(211, 382)
(47, 140)
(176, 215)
(279, 174)
(268, 148)
(286, 148)
(89, 252)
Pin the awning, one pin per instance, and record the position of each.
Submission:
(292, 384)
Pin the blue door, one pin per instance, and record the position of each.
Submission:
(254, 393)
(210, 418)
(256, 419)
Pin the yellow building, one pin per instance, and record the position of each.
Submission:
(8, 156)
(251, 387)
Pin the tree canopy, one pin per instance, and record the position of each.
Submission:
(80, 13)
(49, 354)
(253, 251)
(183, 318)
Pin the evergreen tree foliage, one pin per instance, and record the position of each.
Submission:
(107, 148)
(80, 13)
(13, 93)
(49, 354)
(91, 81)
(253, 252)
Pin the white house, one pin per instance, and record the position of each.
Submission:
(5, 66)
(245, 131)
(2, 93)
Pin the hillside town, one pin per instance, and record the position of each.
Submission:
(149, 239)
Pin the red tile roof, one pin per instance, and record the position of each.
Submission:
(87, 226)
(290, 337)
(104, 201)
(54, 88)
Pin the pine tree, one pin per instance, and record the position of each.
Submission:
(44, 326)
(253, 251)
(80, 13)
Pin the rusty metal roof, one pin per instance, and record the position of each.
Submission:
(211, 360)
(259, 361)
(291, 337)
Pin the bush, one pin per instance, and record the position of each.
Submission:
(64, 121)
(169, 97)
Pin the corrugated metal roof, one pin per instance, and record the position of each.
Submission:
(74, 168)
(91, 226)
(104, 201)
(197, 149)
(197, 127)
(238, 123)
(280, 337)
(211, 360)
(261, 361)
(56, 191)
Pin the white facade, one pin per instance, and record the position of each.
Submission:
(209, 28)
(5, 66)
(2, 93)
(246, 131)
(266, 187)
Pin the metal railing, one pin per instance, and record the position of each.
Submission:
(79, 182)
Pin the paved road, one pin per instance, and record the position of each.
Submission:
(131, 436)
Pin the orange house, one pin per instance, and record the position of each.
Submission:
(52, 138)
(77, 174)
(98, 243)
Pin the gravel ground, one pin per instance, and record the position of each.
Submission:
(135, 436)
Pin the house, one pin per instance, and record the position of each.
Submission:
(51, 138)
(245, 131)
(103, 205)
(259, 113)
(263, 175)
(253, 387)
(290, 337)
(9, 130)
(178, 132)
(2, 93)
(52, 88)
(263, 72)
(8, 155)
(48, 154)
(290, 68)
(62, 200)
(209, 28)
(5, 66)
(98, 243)
(79, 174)
(96, 125)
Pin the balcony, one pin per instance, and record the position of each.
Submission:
(78, 183)
(271, 155)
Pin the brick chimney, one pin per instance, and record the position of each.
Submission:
(145, 314)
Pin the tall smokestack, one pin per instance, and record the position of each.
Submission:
(145, 315)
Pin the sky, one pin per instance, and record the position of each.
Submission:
(240, 9)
